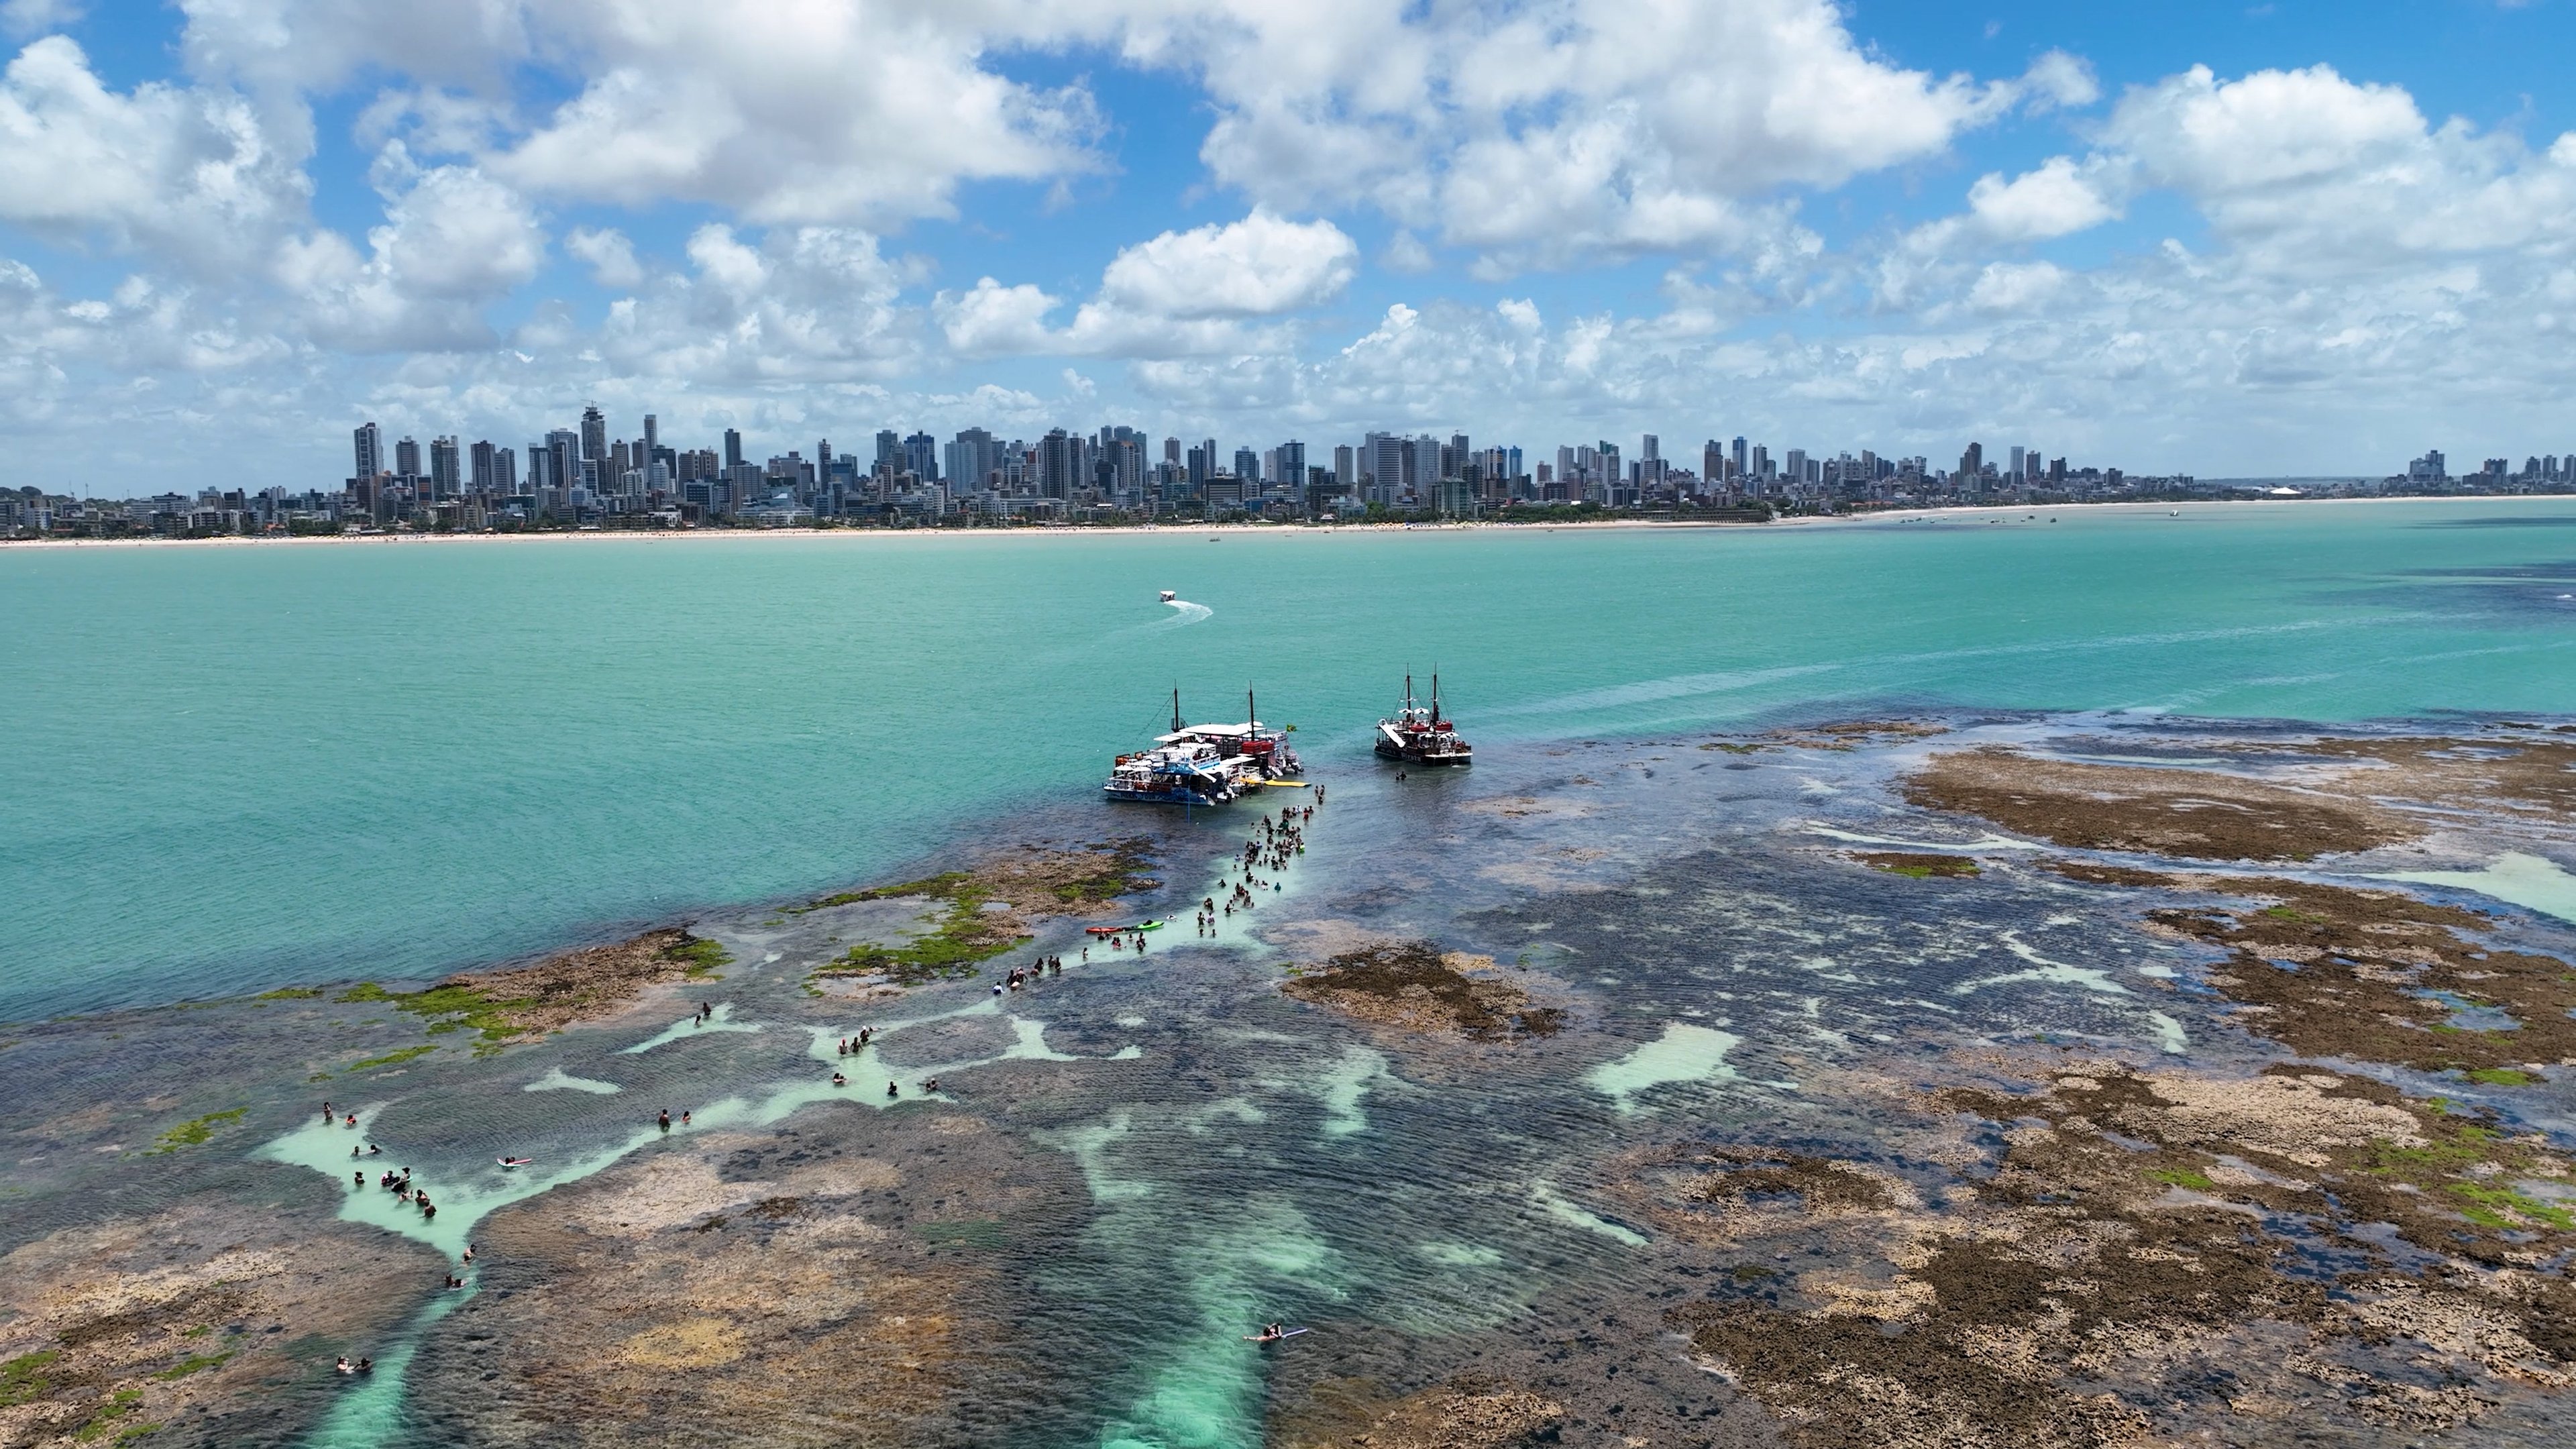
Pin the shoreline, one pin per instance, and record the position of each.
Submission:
(1297, 530)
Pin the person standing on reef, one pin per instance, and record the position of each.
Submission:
(666, 1119)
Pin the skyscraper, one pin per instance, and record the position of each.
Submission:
(371, 451)
(921, 457)
(563, 459)
(652, 434)
(889, 448)
(1741, 458)
(1056, 462)
(594, 434)
(733, 447)
(445, 477)
(407, 458)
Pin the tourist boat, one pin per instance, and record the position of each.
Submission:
(1169, 597)
(1257, 754)
(1206, 764)
(1420, 736)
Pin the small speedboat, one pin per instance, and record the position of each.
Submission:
(1170, 597)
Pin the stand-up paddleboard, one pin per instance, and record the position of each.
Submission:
(1265, 1338)
(511, 1162)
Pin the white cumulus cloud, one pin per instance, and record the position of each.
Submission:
(1255, 267)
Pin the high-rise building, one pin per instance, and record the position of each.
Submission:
(972, 459)
(594, 434)
(652, 435)
(1292, 464)
(1247, 465)
(370, 451)
(563, 459)
(1199, 467)
(1972, 462)
(1741, 457)
(407, 458)
(1383, 460)
(1056, 461)
(505, 471)
(921, 457)
(733, 448)
(889, 448)
(445, 476)
(479, 465)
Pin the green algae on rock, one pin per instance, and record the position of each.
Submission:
(523, 1003)
(988, 908)
(2369, 975)
(1920, 866)
(2134, 1235)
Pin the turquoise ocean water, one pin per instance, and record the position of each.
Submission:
(233, 768)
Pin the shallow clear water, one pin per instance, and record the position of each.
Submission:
(239, 767)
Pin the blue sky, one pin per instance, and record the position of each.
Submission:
(2292, 237)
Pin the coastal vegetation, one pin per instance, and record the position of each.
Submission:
(197, 1131)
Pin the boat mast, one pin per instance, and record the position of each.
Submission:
(1252, 711)
(1435, 699)
(1176, 709)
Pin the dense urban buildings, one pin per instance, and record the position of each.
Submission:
(588, 477)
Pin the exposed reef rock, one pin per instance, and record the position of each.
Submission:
(1468, 1412)
(2195, 814)
(523, 1003)
(1411, 985)
(781, 1290)
(1920, 866)
(989, 908)
(212, 1325)
(2139, 1256)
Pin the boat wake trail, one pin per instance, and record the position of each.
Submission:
(1183, 613)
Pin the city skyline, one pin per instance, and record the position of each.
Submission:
(2296, 240)
(589, 476)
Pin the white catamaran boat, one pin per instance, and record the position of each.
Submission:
(1420, 736)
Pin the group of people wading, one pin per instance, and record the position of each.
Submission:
(1280, 842)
